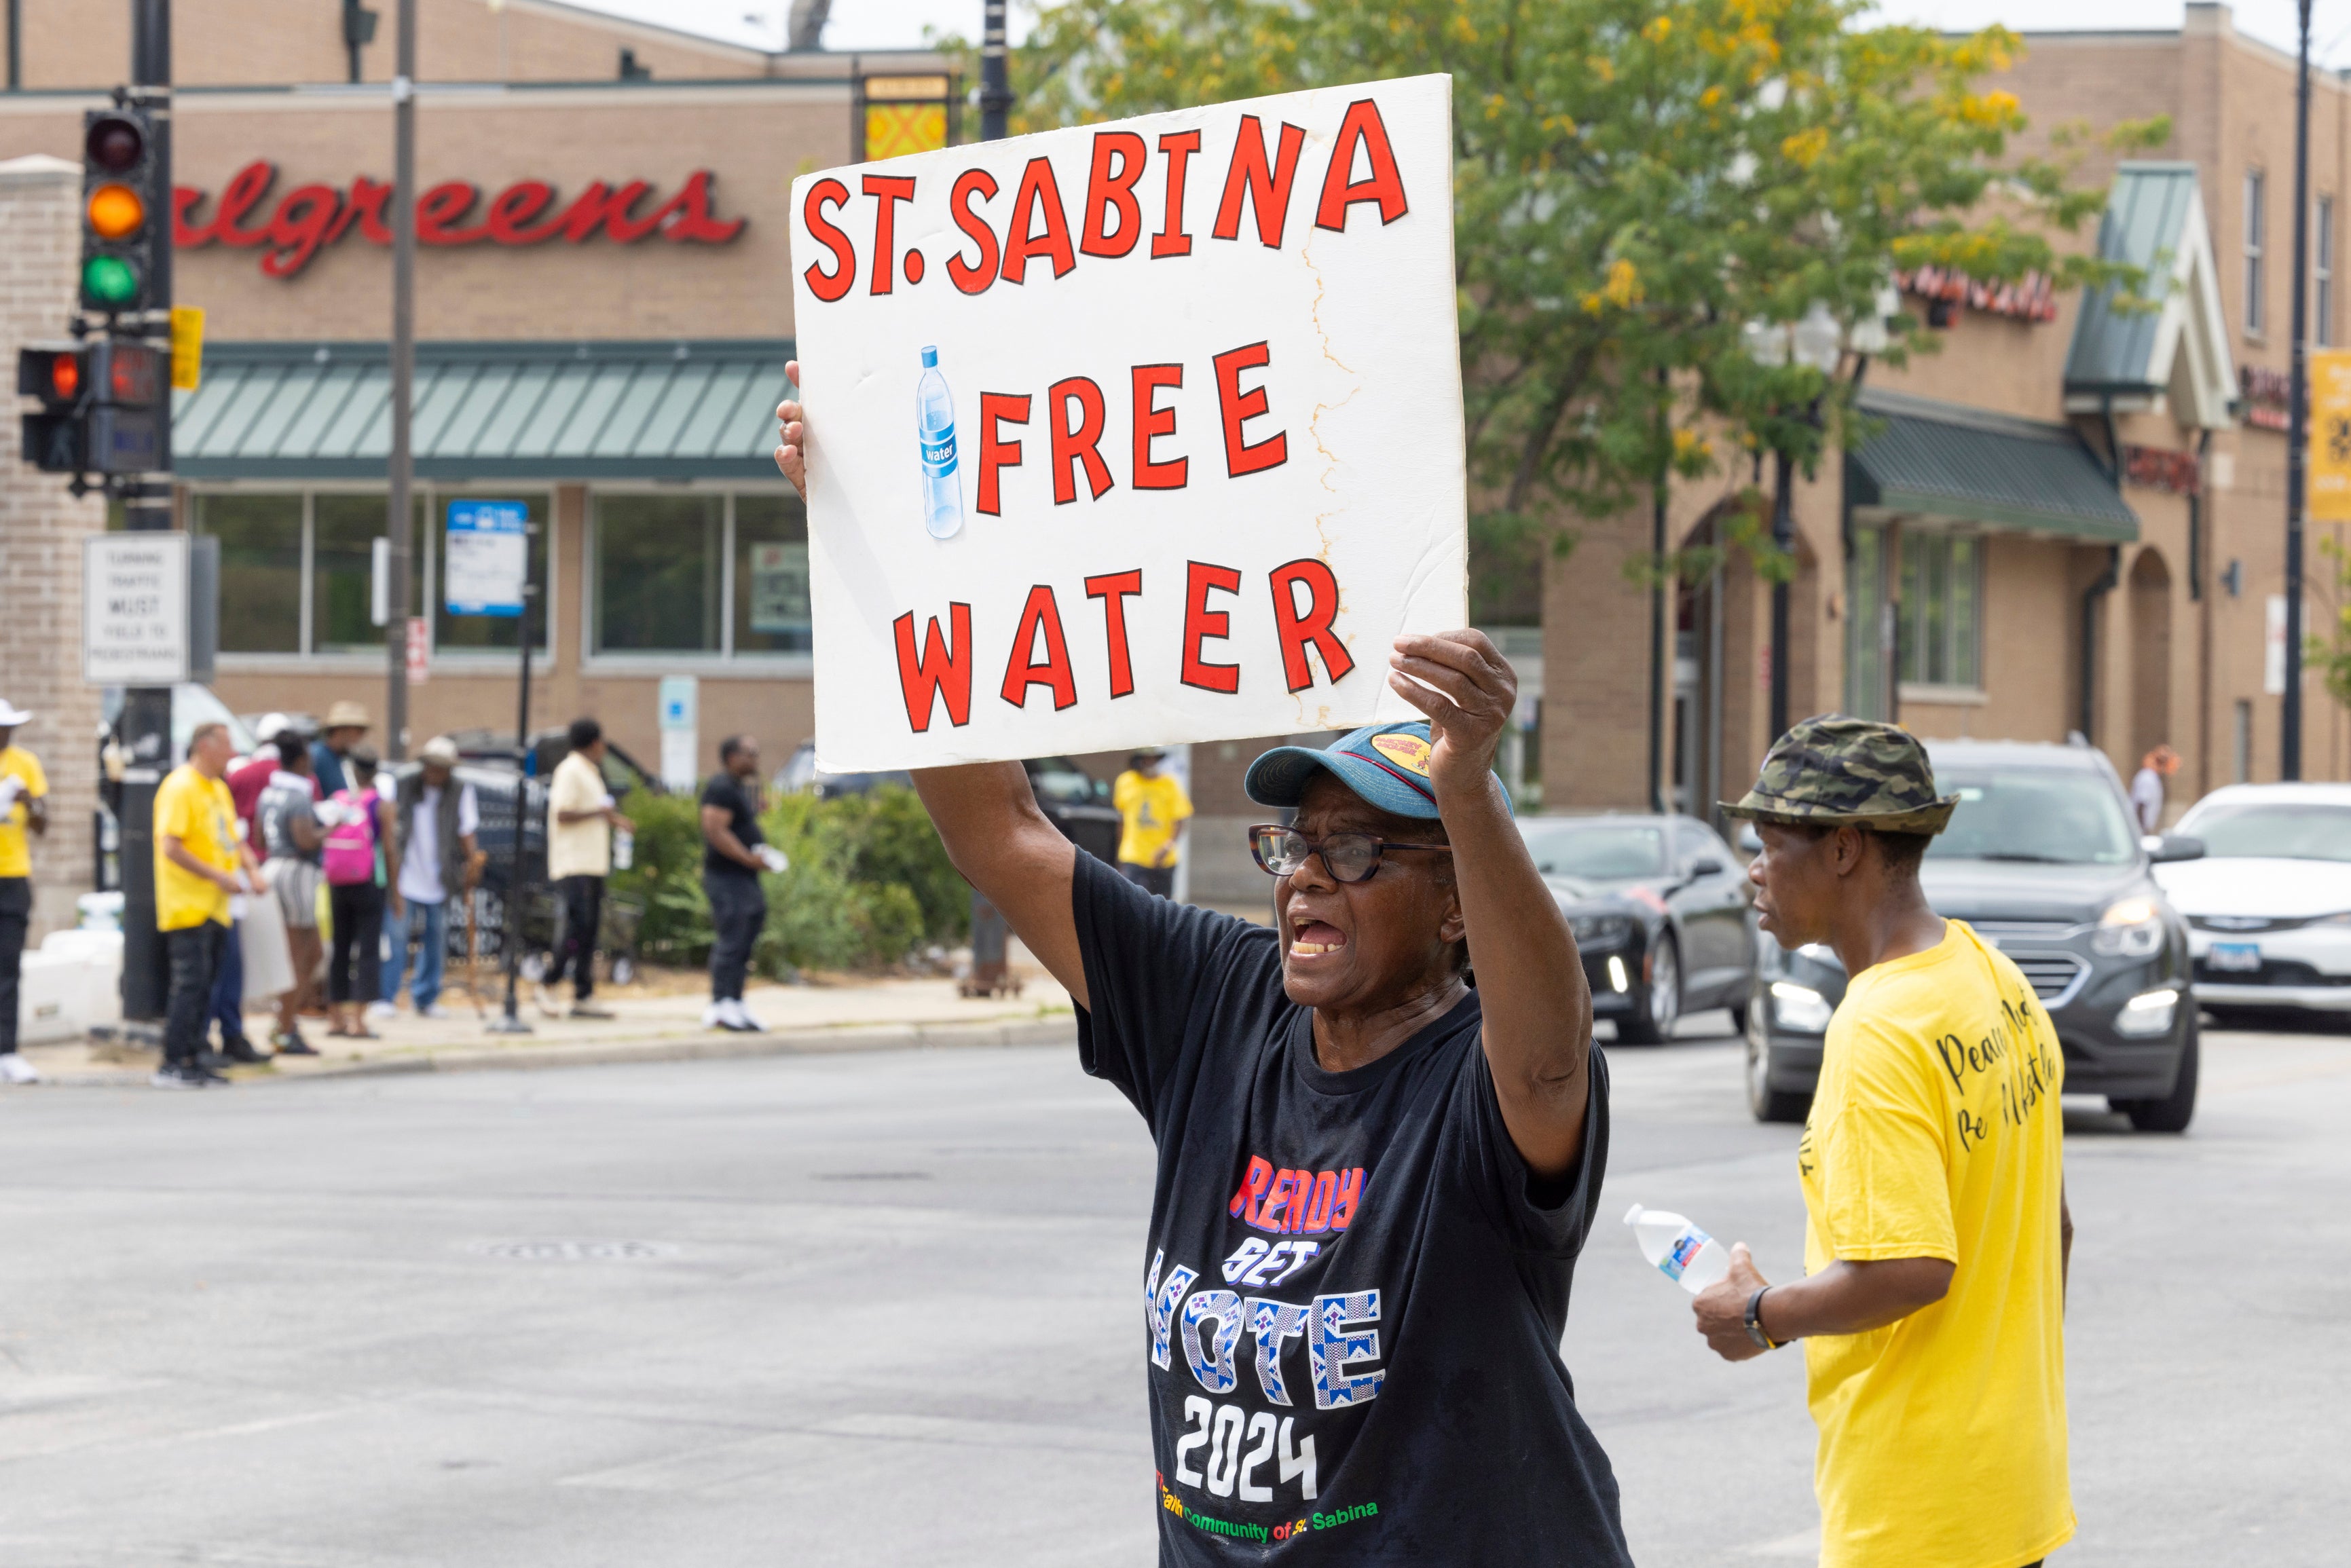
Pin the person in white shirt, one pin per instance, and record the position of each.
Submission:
(437, 817)
(581, 817)
(2147, 788)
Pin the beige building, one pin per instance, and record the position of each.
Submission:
(2069, 520)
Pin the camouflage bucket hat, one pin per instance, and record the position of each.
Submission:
(1831, 769)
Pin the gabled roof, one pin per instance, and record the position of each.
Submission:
(684, 410)
(2174, 354)
(1926, 458)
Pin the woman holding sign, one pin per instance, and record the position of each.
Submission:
(1373, 1179)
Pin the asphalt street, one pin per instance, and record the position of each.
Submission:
(882, 1309)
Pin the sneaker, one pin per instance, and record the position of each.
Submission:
(434, 1010)
(738, 1017)
(240, 1049)
(211, 1060)
(545, 1003)
(208, 1079)
(590, 1010)
(291, 1045)
(172, 1075)
(715, 1016)
(376, 1012)
(15, 1068)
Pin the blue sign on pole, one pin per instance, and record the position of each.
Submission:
(487, 558)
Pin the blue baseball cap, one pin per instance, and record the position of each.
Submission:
(1386, 764)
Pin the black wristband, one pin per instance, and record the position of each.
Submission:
(1755, 1330)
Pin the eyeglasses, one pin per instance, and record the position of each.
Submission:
(1348, 857)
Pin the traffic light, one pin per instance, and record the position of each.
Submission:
(126, 217)
(102, 407)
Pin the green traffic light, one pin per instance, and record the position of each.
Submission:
(109, 280)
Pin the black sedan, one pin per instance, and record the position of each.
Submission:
(1659, 908)
(2041, 861)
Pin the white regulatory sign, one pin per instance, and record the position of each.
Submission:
(134, 610)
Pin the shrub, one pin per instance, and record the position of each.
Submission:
(869, 882)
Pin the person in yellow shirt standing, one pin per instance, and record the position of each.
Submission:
(1937, 1234)
(1155, 808)
(199, 864)
(24, 808)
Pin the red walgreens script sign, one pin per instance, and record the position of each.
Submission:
(309, 218)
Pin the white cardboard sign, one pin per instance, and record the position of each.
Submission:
(1190, 452)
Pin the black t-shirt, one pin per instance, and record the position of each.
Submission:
(1352, 1296)
(727, 792)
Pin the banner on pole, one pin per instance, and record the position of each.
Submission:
(2327, 498)
(1187, 444)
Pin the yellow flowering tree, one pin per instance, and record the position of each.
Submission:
(1637, 182)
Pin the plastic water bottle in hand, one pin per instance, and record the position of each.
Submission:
(935, 423)
(1680, 1251)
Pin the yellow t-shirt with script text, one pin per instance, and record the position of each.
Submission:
(1935, 1133)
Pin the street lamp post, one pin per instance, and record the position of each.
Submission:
(995, 91)
(396, 522)
(2297, 436)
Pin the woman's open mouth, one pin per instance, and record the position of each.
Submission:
(1316, 938)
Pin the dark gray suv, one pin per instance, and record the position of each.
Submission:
(2042, 860)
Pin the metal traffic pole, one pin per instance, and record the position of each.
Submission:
(396, 522)
(2298, 438)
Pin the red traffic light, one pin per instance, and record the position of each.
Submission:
(114, 143)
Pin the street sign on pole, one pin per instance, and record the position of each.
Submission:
(680, 728)
(420, 649)
(485, 558)
(2328, 498)
(134, 616)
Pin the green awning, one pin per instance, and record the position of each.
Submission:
(681, 410)
(1926, 458)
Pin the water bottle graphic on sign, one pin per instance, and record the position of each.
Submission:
(935, 423)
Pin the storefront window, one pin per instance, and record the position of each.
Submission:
(343, 531)
(1864, 629)
(659, 563)
(771, 575)
(261, 568)
(1942, 601)
(461, 633)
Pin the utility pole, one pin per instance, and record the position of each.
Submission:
(995, 91)
(2297, 436)
(1783, 539)
(145, 728)
(396, 520)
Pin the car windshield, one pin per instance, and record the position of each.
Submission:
(1597, 851)
(2274, 829)
(2056, 816)
(1059, 780)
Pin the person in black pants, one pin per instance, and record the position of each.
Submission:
(24, 808)
(355, 963)
(581, 817)
(735, 853)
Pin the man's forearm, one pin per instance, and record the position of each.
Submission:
(1848, 1298)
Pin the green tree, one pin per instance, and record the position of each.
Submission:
(1638, 184)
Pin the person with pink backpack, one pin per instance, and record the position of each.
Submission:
(362, 861)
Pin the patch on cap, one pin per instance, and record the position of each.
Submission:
(1408, 752)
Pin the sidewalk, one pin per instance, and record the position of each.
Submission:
(651, 1023)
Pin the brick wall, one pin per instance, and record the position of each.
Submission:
(41, 530)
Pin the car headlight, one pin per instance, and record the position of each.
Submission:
(1602, 930)
(2147, 1013)
(1800, 1008)
(2130, 929)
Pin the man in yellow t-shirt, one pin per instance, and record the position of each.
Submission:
(24, 807)
(199, 864)
(1155, 808)
(1937, 1239)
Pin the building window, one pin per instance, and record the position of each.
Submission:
(695, 573)
(1864, 624)
(1942, 610)
(298, 568)
(2322, 253)
(2255, 219)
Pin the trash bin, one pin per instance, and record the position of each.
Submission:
(990, 935)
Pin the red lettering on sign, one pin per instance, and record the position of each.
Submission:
(972, 276)
(1177, 148)
(443, 206)
(887, 191)
(1038, 197)
(1113, 590)
(1011, 408)
(943, 669)
(1150, 422)
(828, 286)
(242, 195)
(1076, 445)
(298, 227)
(686, 217)
(1042, 615)
(368, 205)
(1267, 187)
(1200, 623)
(1239, 407)
(1107, 191)
(1299, 629)
(512, 209)
(1363, 128)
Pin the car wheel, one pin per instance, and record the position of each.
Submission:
(1661, 1002)
(1766, 1104)
(2174, 1111)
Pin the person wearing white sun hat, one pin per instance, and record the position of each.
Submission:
(24, 809)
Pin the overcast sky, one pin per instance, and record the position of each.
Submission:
(900, 24)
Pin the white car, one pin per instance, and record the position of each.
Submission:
(2269, 903)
